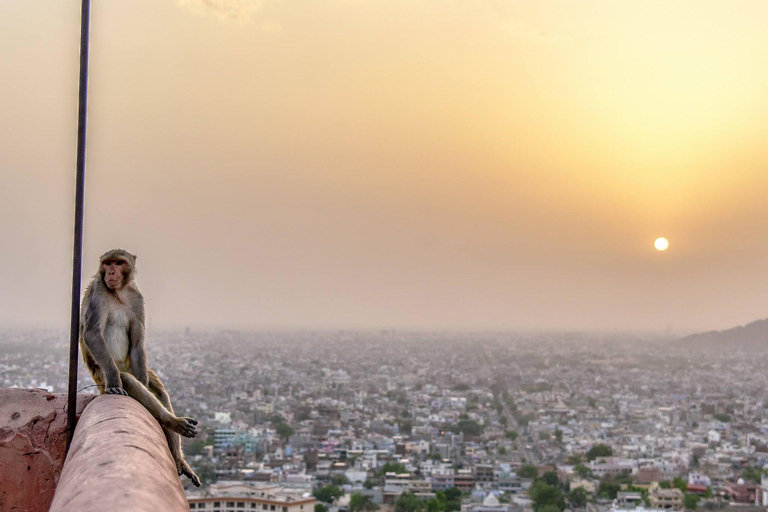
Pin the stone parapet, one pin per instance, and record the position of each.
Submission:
(119, 459)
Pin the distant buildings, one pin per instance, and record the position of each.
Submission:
(665, 498)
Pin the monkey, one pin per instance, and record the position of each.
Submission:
(112, 342)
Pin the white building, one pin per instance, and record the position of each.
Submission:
(241, 497)
(699, 479)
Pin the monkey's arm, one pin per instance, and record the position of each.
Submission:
(138, 354)
(94, 340)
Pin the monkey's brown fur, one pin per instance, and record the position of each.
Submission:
(112, 341)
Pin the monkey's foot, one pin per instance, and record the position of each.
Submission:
(183, 425)
(183, 469)
(115, 391)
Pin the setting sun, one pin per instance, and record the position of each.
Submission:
(661, 244)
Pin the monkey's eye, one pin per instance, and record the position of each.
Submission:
(119, 263)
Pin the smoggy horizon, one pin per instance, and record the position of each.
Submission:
(484, 164)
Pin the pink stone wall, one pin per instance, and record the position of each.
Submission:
(33, 437)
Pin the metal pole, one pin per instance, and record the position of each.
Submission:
(79, 199)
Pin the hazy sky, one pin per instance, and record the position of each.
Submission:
(393, 163)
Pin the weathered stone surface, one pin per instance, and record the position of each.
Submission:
(119, 459)
(33, 436)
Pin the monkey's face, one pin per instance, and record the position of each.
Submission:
(115, 273)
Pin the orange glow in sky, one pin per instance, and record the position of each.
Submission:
(473, 164)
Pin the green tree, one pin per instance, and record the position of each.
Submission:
(599, 450)
(392, 467)
(523, 419)
(708, 493)
(319, 507)
(368, 484)
(725, 418)
(452, 499)
(502, 450)
(558, 435)
(437, 504)
(409, 502)
(284, 430)
(452, 493)
(691, 501)
(339, 480)
(511, 434)
(360, 503)
(752, 474)
(468, 427)
(528, 471)
(680, 483)
(543, 495)
(578, 497)
(574, 458)
(623, 478)
(550, 478)
(608, 489)
(328, 493)
(582, 471)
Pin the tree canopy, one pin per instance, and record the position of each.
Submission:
(550, 478)
(582, 471)
(328, 493)
(392, 467)
(409, 502)
(468, 427)
(691, 501)
(284, 430)
(360, 503)
(578, 497)
(599, 450)
(545, 496)
(528, 471)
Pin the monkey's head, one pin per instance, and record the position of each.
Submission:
(116, 268)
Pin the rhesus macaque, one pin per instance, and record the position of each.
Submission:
(112, 341)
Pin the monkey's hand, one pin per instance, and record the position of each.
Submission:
(114, 386)
(184, 426)
(183, 469)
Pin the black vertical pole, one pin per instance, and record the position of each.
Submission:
(77, 259)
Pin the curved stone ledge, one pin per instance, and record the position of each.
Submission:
(119, 459)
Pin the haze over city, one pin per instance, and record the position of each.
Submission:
(481, 164)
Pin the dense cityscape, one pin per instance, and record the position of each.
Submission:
(447, 421)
